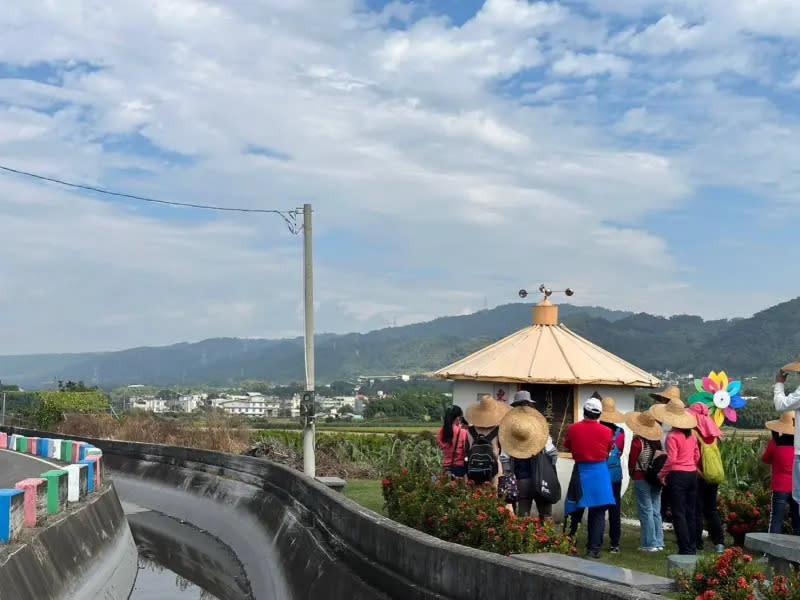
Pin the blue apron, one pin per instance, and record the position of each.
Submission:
(589, 486)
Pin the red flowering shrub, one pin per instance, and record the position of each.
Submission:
(471, 515)
(731, 576)
(745, 512)
(781, 588)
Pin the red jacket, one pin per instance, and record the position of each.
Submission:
(459, 441)
(589, 441)
(782, 460)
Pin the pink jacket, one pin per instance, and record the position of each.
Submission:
(683, 453)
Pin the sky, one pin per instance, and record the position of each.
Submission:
(642, 152)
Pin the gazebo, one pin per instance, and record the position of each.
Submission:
(558, 367)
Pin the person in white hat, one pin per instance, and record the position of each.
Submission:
(590, 485)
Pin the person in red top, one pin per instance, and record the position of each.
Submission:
(590, 485)
(780, 454)
(680, 470)
(452, 439)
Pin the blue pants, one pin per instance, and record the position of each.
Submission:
(648, 503)
(780, 501)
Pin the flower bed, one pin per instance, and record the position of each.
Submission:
(735, 576)
(745, 512)
(470, 515)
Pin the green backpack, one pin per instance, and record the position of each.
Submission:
(713, 471)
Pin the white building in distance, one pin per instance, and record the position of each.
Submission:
(252, 404)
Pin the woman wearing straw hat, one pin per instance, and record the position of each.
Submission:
(645, 446)
(523, 437)
(709, 477)
(483, 448)
(680, 470)
(780, 455)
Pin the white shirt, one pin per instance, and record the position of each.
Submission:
(784, 403)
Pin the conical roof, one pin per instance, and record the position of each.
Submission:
(548, 353)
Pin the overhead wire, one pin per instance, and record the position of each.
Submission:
(289, 216)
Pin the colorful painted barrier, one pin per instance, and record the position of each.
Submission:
(77, 482)
(66, 451)
(35, 499)
(76, 451)
(90, 467)
(12, 514)
(57, 490)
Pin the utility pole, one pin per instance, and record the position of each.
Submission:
(308, 409)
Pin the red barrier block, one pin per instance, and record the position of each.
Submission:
(35, 502)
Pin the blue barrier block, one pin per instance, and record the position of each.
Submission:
(12, 514)
(90, 464)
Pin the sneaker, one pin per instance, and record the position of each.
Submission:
(720, 548)
(593, 554)
(647, 549)
(614, 550)
(659, 548)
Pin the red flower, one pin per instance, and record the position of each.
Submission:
(386, 482)
(404, 471)
(742, 584)
(470, 524)
(501, 510)
(699, 577)
(444, 519)
(490, 531)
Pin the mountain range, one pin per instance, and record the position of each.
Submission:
(681, 343)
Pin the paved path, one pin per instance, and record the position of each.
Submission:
(15, 467)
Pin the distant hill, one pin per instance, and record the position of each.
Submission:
(680, 343)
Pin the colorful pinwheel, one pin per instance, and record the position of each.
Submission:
(722, 397)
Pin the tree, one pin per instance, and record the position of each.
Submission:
(53, 405)
(71, 386)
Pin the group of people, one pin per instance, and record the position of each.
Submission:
(674, 464)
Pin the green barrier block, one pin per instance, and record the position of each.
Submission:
(22, 444)
(57, 490)
(66, 451)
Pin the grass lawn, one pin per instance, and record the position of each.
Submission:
(368, 493)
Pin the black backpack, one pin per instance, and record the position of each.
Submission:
(481, 457)
(653, 472)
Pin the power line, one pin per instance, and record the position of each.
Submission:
(289, 216)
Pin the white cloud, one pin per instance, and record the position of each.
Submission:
(584, 65)
(433, 185)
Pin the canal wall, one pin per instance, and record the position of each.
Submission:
(297, 539)
(87, 553)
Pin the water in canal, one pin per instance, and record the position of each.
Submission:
(156, 582)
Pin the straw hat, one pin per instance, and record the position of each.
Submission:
(644, 425)
(610, 412)
(784, 425)
(674, 414)
(792, 367)
(670, 393)
(523, 432)
(486, 413)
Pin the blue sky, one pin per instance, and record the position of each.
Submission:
(642, 152)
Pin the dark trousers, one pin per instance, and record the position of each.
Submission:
(780, 501)
(614, 518)
(527, 498)
(706, 508)
(597, 528)
(615, 515)
(682, 486)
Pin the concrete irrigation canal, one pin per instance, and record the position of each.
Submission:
(223, 527)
